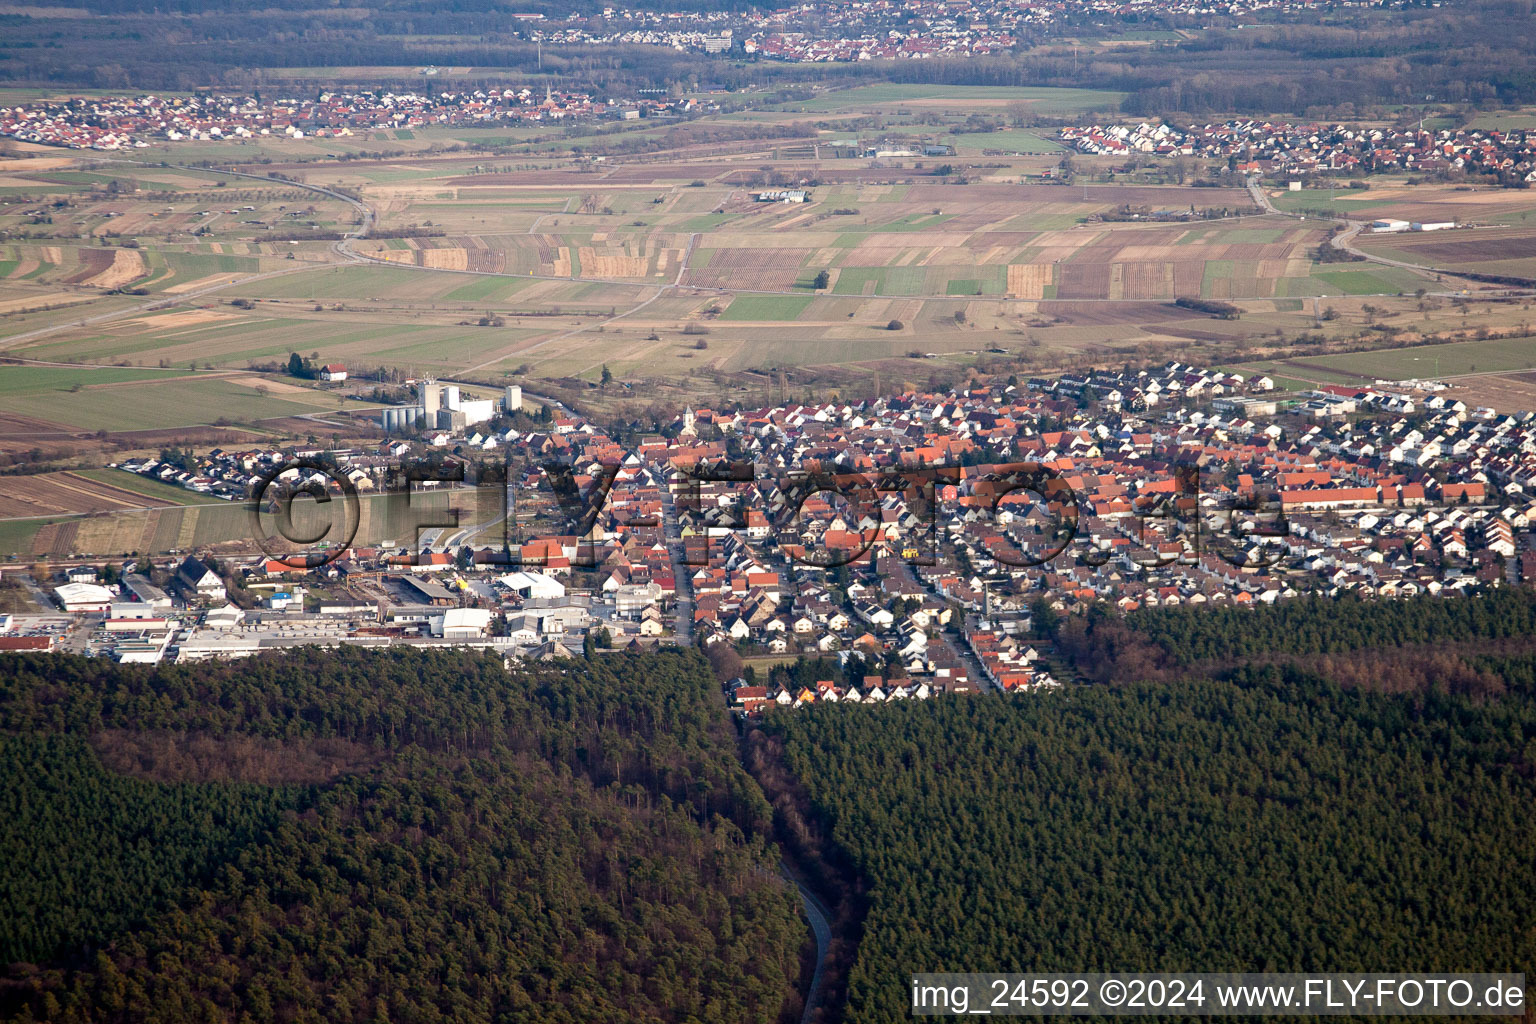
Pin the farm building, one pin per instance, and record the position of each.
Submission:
(783, 195)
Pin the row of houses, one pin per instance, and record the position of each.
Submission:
(1278, 147)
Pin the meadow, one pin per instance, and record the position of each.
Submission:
(88, 398)
(1491, 356)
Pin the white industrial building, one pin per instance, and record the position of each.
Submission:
(461, 623)
(532, 584)
(440, 407)
(83, 597)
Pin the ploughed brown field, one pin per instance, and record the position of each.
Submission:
(48, 494)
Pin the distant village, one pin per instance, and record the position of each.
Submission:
(863, 30)
(916, 545)
(123, 122)
(1278, 148)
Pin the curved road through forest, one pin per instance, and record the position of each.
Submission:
(817, 913)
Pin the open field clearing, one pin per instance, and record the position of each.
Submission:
(1374, 281)
(88, 491)
(959, 97)
(766, 307)
(224, 525)
(1504, 392)
(122, 399)
(1506, 120)
(607, 262)
(1499, 374)
(1437, 360)
(1415, 203)
(375, 334)
(1506, 251)
(1009, 141)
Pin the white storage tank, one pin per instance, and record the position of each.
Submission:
(401, 418)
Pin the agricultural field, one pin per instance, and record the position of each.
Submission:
(85, 491)
(1437, 361)
(1461, 204)
(1505, 251)
(956, 98)
(222, 525)
(647, 253)
(118, 399)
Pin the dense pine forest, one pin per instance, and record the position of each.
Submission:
(1396, 646)
(1319, 785)
(1201, 825)
(361, 836)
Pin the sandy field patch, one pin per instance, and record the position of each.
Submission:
(272, 387)
(127, 265)
(1028, 280)
(185, 318)
(28, 164)
(610, 263)
(43, 299)
(445, 259)
(201, 282)
(1508, 392)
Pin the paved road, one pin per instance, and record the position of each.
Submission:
(1344, 239)
(683, 624)
(953, 634)
(816, 912)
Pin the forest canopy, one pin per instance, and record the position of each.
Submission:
(1284, 825)
(562, 842)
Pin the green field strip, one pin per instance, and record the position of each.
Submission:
(145, 486)
(913, 222)
(1012, 140)
(1369, 282)
(1215, 270)
(478, 290)
(16, 535)
(29, 380)
(706, 222)
(766, 307)
(852, 281)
